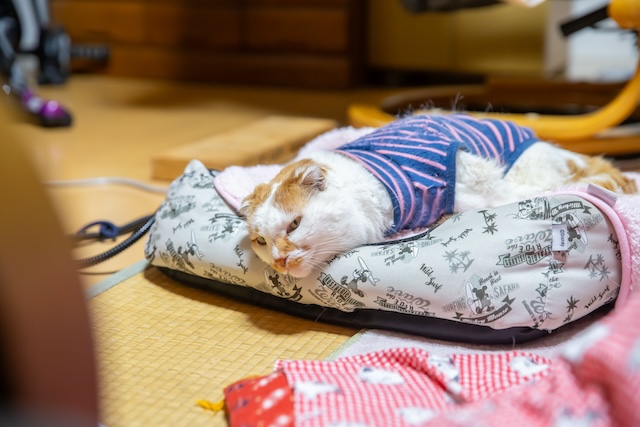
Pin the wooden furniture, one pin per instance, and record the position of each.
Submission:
(302, 43)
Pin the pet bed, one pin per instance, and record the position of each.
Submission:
(503, 275)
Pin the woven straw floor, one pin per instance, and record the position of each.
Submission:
(162, 346)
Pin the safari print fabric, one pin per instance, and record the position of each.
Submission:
(539, 263)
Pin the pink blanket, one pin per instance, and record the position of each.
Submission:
(593, 382)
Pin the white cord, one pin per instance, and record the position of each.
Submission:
(108, 180)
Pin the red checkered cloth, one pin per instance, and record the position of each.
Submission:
(595, 382)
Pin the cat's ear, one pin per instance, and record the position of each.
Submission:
(311, 176)
(252, 201)
(245, 206)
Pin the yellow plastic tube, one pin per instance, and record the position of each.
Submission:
(549, 127)
(626, 13)
(571, 128)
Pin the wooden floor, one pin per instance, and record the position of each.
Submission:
(120, 124)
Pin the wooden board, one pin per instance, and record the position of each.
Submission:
(273, 139)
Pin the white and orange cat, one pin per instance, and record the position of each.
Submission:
(326, 203)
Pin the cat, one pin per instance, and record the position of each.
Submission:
(328, 202)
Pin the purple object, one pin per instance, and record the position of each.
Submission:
(50, 113)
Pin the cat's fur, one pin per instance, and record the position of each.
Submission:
(326, 203)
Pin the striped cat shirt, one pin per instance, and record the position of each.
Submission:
(415, 159)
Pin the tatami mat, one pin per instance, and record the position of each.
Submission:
(162, 346)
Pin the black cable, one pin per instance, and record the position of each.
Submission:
(588, 20)
(419, 6)
(88, 262)
(107, 230)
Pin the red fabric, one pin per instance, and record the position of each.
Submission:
(596, 382)
(263, 401)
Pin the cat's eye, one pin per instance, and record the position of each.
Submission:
(261, 241)
(294, 224)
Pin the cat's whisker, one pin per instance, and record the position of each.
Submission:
(317, 266)
(327, 246)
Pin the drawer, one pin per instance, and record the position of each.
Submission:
(311, 71)
(304, 43)
(297, 29)
(305, 3)
(177, 24)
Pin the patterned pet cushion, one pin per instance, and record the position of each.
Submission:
(490, 276)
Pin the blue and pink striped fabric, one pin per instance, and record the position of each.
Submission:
(415, 159)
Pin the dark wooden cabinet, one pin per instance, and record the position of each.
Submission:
(301, 43)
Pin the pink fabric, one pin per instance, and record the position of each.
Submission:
(237, 182)
(624, 214)
(595, 382)
(400, 386)
(621, 233)
(628, 209)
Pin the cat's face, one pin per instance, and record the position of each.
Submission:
(292, 221)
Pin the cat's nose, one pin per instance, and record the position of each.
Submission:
(281, 262)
